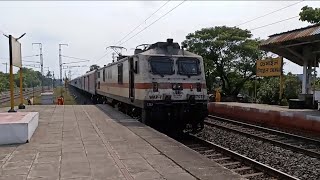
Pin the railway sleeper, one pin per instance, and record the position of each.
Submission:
(221, 159)
(213, 155)
(241, 168)
(206, 152)
(201, 149)
(253, 174)
(231, 163)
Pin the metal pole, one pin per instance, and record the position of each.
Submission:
(60, 63)
(255, 89)
(21, 105)
(41, 64)
(281, 81)
(11, 77)
(6, 67)
(52, 80)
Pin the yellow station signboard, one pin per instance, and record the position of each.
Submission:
(269, 67)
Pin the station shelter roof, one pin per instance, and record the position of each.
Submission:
(291, 44)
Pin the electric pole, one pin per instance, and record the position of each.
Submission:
(52, 79)
(6, 67)
(41, 64)
(113, 56)
(60, 64)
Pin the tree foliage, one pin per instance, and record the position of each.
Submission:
(269, 89)
(30, 79)
(94, 67)
(309, 14)
(228, 52)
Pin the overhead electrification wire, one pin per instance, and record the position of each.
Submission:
(31, 61)
(75, 58)
(23, 56)
(144, 21)
(107, 53)
(274, 23)
(154, 21)
(269, 13)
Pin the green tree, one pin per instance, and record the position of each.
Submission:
(269, 89)
(228, 52)
(4, 83)
(94, 67)
(309, 14)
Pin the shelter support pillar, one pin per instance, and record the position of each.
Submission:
(304, 77)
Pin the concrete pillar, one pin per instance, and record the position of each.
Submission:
(304, 77)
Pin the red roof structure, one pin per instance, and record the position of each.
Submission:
(298, 45)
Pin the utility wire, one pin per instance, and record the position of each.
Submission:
(23, 56)
(31, 61)
(274, 23)
(143, 21)
(107, 53)
(30, 56)
(154, 21)
(75, 58)
(269, 13)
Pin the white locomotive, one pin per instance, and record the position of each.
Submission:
(162, 84)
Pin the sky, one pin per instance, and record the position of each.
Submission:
(89, 27)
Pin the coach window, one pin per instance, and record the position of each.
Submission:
(98, 84)
(104, 75)
(120, 73)
(98, 74)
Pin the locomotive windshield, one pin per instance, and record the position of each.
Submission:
(161, 65)
(188, 66)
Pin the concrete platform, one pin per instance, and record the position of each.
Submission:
(17, 127)
(305, 120)
(84, 142)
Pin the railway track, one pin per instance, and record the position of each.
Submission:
(296, 143)
(246, 167)
(5, 99)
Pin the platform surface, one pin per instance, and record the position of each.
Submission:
(304, 120)
(84, 142)
(311, 112)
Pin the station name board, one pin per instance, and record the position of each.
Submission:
(269, 67)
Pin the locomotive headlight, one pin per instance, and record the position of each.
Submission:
(179, 86)
(174, 86)
(155, 87)
(198, 87)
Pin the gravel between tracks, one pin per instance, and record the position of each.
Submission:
(298, 165)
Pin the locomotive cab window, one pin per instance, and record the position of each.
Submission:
(120, 73)
(188, 66)
(161, 65)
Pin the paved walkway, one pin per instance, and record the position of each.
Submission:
(83, 142)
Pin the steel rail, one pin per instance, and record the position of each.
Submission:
(7, 99)
(272, 141)
(268, 130)
(245, 160)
